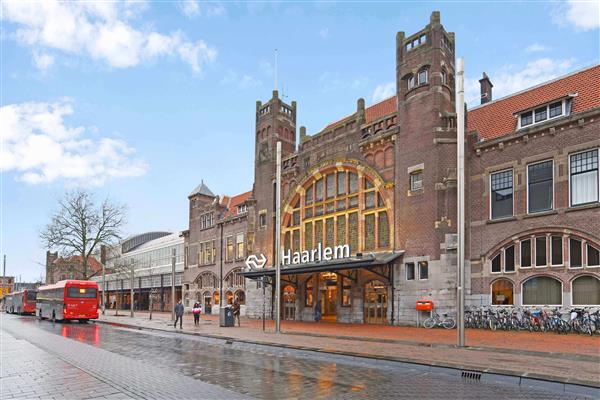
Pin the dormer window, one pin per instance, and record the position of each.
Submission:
(242, 208)
(422, 77)
(543, 113)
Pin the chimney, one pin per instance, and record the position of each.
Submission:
(486, 89)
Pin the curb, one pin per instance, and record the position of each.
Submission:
(574, 386)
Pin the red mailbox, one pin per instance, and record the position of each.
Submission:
(424, 305)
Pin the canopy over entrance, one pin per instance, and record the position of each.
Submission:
(362, 261)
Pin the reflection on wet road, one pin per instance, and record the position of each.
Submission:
(274, 374)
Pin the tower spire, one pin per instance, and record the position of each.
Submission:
(276, 69)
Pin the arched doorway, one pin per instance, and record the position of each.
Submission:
(328, 295)
(289, 303)
(207, 302)
(376, 303)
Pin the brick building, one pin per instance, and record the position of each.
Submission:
(216, 244)
(369, 202)
(61, 268)
(8, 285)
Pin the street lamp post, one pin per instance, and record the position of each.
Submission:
(173, 285)
(460, 115)
(131, 292)
(278, 241)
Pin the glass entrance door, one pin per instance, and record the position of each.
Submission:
(376, 303)
(289, 303)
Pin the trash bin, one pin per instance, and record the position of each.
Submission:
(226, 317)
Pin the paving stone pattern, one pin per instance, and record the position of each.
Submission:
(154, 365)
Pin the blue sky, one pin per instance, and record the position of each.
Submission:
(141, 100)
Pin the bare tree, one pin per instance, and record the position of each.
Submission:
(79, 227)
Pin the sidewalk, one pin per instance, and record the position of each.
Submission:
(571, 358)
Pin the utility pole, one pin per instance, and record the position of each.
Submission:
(3, 277)
(103, 288)
(173, 285)
(131, 278)
(275, 70)
(460, 115)
(278, 241)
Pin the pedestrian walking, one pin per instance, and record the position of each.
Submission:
(178, 315)
(196, 311)
(236, 311)
(318, 311)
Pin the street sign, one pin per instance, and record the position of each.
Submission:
(256, 261)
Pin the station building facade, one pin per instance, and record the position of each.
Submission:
(149, 256)
(368, 214)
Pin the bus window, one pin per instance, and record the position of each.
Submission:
(76, 292)
(31, 296)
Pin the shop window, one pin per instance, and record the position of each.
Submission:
(410, 271)
(501, 188)
(229, 296)
(216, 297)
(586, 291)
(383, 230)
(526, 253)
(509, 259)
(497, 264)
(423, 270)
(593, 256)
(540, 186)
(557, 250)
(346, 292)
(584, 177)
(575, 259)
(502, 292)
(308, 293)
(540, 251)
(542, 290)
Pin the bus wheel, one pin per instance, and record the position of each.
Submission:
(40, 315)
(53, 317)
(83, 321)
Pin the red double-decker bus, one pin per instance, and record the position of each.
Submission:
(68, 300)
(22, 302)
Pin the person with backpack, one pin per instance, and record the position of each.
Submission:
(196, 311)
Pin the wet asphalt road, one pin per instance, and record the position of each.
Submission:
(133, 363)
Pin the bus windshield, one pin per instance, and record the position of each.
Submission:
(31, 296)
(76, 292)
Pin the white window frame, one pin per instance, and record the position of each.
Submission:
(410, 176)
(562, 243)
(501, 255)
(548, 118)
(586, 257)
(242, 209)
(423, 70)
(583, 249)
(414, 271)
(562, 296)
(490, 193)
(492, 293)
(570, 192)
(410, 82)
(503, 264)
(571, 292)
(534, 261)
(418, 264)
(527, 186)
(531, 252)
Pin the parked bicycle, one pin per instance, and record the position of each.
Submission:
(437, 320)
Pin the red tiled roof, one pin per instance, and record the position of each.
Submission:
(497, 118)
(235, 201)
(93, 264)
(373, 112)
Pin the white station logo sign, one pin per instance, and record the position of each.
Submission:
(256, 261)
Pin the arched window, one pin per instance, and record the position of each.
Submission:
(410, 82)
(586, 291)
(207, 280)
(216, 297)
(422, 76)
(336, 204)
(229, 297)
(542, 290)
(240, 296)
(233, 278)
(502, 292)
(308, 293)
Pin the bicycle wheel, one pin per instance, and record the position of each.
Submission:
(429, 323)
(493, 324)
(449, 323)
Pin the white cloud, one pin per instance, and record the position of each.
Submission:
(383, 92)
(508, 79)
(536, 47)
(42, 61)
(103, 31)
(195, 8)
(581, 14)
(40, 147)
(243, 82)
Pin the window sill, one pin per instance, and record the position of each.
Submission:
(415, 192)
(588, 206)
(540, 214)
(499, 220)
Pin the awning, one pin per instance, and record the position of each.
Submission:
(364, 261)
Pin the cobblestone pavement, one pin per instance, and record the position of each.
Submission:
(154, 364)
